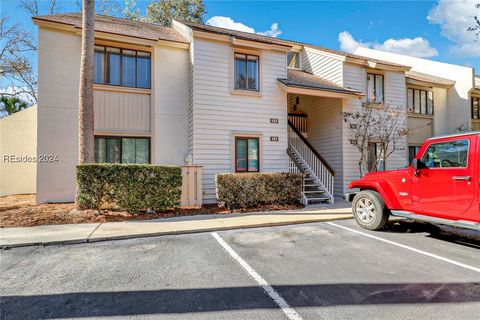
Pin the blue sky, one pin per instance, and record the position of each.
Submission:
(401, 26)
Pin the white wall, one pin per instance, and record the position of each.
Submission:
(58, 80)
(18, 137)
(218, 113)
(322, 65)
(458, 112)
(171, 103)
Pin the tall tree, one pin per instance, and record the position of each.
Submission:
(10, 105)
(475, 28)
(163, 11)
(85, 99)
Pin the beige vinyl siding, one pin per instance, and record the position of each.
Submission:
(325, 134)
(322, 65)
(419, 129)
(394, 95)
(122, 112)
(218, 114)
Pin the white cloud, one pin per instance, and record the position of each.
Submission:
(418, 47)
(229, 23)
(454, 19)
(273, 32)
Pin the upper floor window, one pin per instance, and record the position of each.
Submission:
(246, 72)
(420, 101)
(293, 59)
(374, 88)
(122, 67)
(475, 107)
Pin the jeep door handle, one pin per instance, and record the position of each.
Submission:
(459, 178)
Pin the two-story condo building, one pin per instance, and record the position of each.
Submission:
(225, 100)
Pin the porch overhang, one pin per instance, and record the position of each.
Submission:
(302, 82)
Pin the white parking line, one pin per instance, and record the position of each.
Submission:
(289, 311)
(466, 266)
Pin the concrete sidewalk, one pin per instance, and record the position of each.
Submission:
(90, 232)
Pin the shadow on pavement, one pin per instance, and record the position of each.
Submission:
(179, 301)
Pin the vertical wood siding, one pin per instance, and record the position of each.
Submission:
(122, 112)
(319, 64)
(217, 113)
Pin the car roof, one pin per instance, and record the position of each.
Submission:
(470, 133)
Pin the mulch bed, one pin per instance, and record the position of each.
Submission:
(21, 211)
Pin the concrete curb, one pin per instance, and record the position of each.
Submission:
(221, 227)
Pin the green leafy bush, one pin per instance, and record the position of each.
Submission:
(130, 187)
(249, 190)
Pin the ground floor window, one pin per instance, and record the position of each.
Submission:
(247, 157)
(122, 150)
(375, 157)
(412, 152)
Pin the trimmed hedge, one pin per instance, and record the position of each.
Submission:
(249, 190)
(130, 187)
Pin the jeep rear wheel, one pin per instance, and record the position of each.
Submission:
(369, 210)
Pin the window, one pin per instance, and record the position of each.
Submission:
(246, 72)
(475, 107)
(375, 157)
(374, 88)
(247, 155)
(122, 67)
(293, 60)
(451, 154)
(412, 152)
(122, 150)
(420, 101)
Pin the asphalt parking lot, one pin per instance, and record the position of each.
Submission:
(311, 271)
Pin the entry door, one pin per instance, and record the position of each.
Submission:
(446, 187)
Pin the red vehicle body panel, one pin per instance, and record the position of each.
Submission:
(435, 191)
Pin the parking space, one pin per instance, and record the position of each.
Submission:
(311, 271)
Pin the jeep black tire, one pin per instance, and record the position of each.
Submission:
(370, 210)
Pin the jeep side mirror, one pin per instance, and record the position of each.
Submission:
(418, 164)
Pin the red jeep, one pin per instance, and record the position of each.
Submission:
(442, 186)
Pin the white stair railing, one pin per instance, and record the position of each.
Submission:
(312, 159)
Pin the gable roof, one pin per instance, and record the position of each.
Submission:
(305, 80)
(423, 77)
(117, 26)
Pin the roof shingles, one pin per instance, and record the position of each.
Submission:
(143, 30)
(305, 80)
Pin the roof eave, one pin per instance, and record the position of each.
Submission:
(428, 83)
(319, 92)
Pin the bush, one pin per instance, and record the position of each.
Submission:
(130, 187)
(249, 190)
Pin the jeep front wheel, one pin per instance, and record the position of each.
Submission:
(369, 210)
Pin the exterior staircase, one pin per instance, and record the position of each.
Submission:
(318, 175)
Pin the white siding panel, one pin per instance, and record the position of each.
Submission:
(321, 65)
(325, 134)
(218, 114)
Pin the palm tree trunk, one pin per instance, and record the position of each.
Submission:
(85, 100)
(86, 141)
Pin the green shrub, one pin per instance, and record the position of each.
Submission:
(130, 187)
(249, 190)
